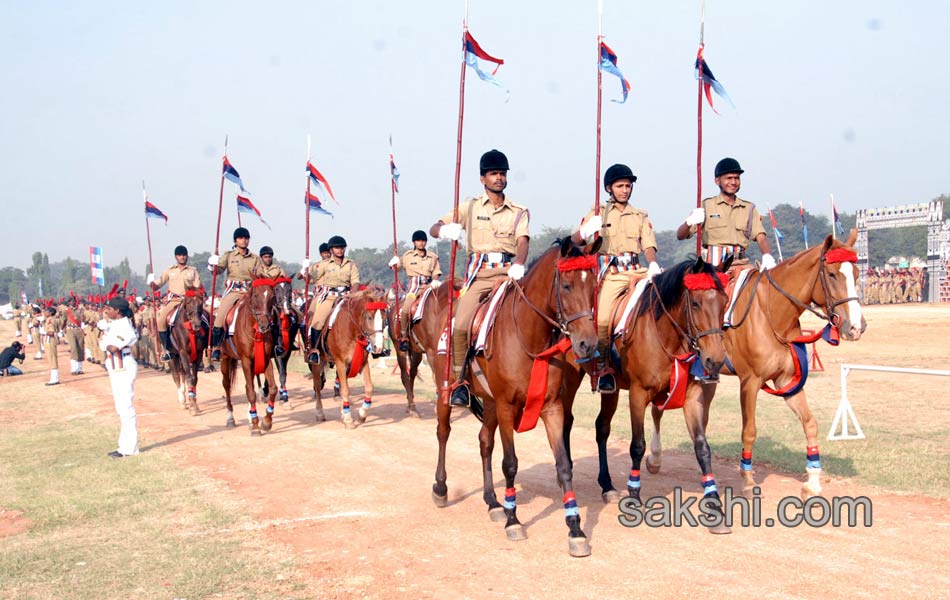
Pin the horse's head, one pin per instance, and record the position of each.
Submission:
(192, 306)
(567, 284)
(371, 315)
(261, 302)
(838, 292)
(283, 294)
(693, 294)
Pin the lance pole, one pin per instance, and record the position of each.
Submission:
(217, 242)
(397, 321)
(306, 251)
(447, 373)
(699, 125)
(151, 269)
(600, 76)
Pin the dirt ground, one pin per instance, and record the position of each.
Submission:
(356, 508)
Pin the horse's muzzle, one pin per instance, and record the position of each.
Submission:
(584, 348)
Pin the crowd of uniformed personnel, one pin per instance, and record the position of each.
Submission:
(894, 286)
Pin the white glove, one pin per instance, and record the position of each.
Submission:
(394, 262)
(213, 260)
(102, 324)
(450, 231)
(304, 265)
(516, 271)
(767, 262)
(591, 227)
(150, 279)
(653, 269)
(303, 272)
(435, 284)
(696, 217)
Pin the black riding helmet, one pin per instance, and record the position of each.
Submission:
(336, 241)
(728, 165)
(324, 248)
(266, 250)
(420, 236)
(618, 171)
(181, 251)
(241, 232)
(493, 160)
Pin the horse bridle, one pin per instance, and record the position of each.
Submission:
(257, 317)
(559, 322)
(690, 333)
(829, 315)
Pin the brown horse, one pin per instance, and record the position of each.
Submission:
(189, 337)
(675, 325)
(253, 346)
(407, 360)
(759, 343)
(519, 378)
(357, 333)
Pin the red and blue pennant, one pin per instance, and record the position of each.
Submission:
(608, 63)
(473, 52)
(244, 205)
(317, 178)
(316, 206)
(704, 73)
(231, 174)
(152, 212)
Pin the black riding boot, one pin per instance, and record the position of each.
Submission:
(167, 345)
(314, 356)
(278, 342)
(217, 334)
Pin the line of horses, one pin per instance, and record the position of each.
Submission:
(669, 354)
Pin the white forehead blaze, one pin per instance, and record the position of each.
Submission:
(854, 307)
(583, 276)
(378, 328)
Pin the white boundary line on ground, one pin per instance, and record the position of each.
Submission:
(845, 413)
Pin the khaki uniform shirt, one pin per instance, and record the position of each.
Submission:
(734, 225)
(274, 271)
(240, 267)
(424, 263)
(332, 274)
(490, 229)
(626, 229)
(51, 325)
(179, 278)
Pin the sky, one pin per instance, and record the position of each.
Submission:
(844, 97)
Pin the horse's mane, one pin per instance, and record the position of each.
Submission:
(669, 286)
(574, 251)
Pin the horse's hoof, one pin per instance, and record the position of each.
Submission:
(320, 417)
(652, 467)
(748, 491)
(193, 410)
(230, 424)
(349, 424)
(610, 497)
(266, 425)
(515, 533)
(440, 501)
(578, 547)
(807, 492)
(497, 514)
(412, 412)
(720, 529)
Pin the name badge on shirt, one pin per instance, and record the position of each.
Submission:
(483, 218)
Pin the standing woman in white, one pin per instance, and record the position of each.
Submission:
(118, 336)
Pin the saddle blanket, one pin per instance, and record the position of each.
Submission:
(417, 315)
(632, 300)
(490, 313)
(737, 284)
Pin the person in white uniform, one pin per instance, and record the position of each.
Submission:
(118, 336)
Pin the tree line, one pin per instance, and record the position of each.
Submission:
(59, 278)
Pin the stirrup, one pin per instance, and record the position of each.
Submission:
(404, 345)
(314, 357)
(216, 354)
(165, 357)
(461, 396)
(606, 383)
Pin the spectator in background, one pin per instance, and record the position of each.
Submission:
(14, 352)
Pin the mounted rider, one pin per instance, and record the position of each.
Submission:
(242, 265)
(497, 242)
(338, 276)
(628, 234)
(422, 270)
(179, 278)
